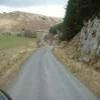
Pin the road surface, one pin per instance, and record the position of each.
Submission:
(44, 78)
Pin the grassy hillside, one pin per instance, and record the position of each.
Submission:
(7, 41)
(16, 28)
(20, 22)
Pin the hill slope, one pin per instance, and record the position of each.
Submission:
(21, 21)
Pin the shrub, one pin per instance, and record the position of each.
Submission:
(28, 33)
(54, 29)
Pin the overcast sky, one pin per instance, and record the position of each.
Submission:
(45, 7)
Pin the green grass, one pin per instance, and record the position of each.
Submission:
(7, 41)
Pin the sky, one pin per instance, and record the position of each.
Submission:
(54, 8)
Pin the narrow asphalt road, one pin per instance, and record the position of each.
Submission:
(44, 78)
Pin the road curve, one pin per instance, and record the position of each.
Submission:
(44, 78)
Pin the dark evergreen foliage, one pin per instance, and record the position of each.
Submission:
(78, 11)
(54, 29)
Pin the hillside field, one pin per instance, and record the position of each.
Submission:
(13, 52)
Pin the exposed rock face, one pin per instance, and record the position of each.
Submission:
(90, 39)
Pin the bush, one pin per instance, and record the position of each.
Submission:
(28, 33)
(54, 29)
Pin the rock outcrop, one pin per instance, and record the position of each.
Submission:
(90, 39)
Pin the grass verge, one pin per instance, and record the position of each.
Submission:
(14, 51)
(69, 53)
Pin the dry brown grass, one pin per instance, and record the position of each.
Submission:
(69, 54)
(11, 60)
(19, 21)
